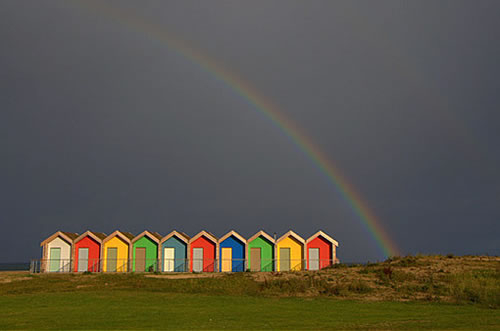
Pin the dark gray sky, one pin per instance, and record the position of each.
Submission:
(103, 128)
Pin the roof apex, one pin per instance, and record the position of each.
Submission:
(235, 234)
(66, 236)
(126, 236)
(324, 235)
(263, 234)
(151, 235)
(97, 236)
(206, 234)
(181, 235)
(290, 233)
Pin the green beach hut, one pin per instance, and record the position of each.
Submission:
(260, 252)
(145, 251)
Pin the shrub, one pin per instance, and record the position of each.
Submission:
(481, 286)
(337, 290)
(359, 286)
(388, 272)
(364, 271)
(407, 261)
(393, 259)
(401, 276)
(336, 266)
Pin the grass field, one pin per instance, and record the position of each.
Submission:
(343, 298)
(146, 310)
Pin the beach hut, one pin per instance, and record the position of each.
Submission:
(173, 252)
(115, 251)
(145, 251)
(87, 252)
(321, 251)
(232, 252)
(260, 252)
(290, 252)
(56, 252)
(203, 252)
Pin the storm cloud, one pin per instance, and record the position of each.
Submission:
(104, 127)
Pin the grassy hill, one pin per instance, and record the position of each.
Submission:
(414, 292)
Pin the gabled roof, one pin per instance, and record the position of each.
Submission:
(100, 235)
(125, 236)
(72, 235)
(324, 235)
(184, 234)
(261, 233)
(129, 235)
(291, 234)
(155, 236)
(233, 233)
(97, 236)
(69, 237)
(210, 236)
(181, 235)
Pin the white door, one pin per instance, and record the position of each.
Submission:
(83, 259)
(313, 258)
(198, 259)
(168, 259)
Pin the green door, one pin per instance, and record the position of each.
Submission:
(55, 259)
(111, 259)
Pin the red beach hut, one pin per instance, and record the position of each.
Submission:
(87, 252)
(321, 251)
(203, 250)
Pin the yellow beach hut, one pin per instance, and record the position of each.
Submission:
(290, 252)
(116, 252)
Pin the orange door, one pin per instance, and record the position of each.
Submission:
(227, 257)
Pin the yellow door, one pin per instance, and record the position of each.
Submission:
(226, 259)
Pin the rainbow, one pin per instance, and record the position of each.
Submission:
(264, 107)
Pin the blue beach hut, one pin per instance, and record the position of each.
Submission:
(232, 252)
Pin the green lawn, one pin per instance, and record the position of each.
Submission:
(145, 309)
(410, 293)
